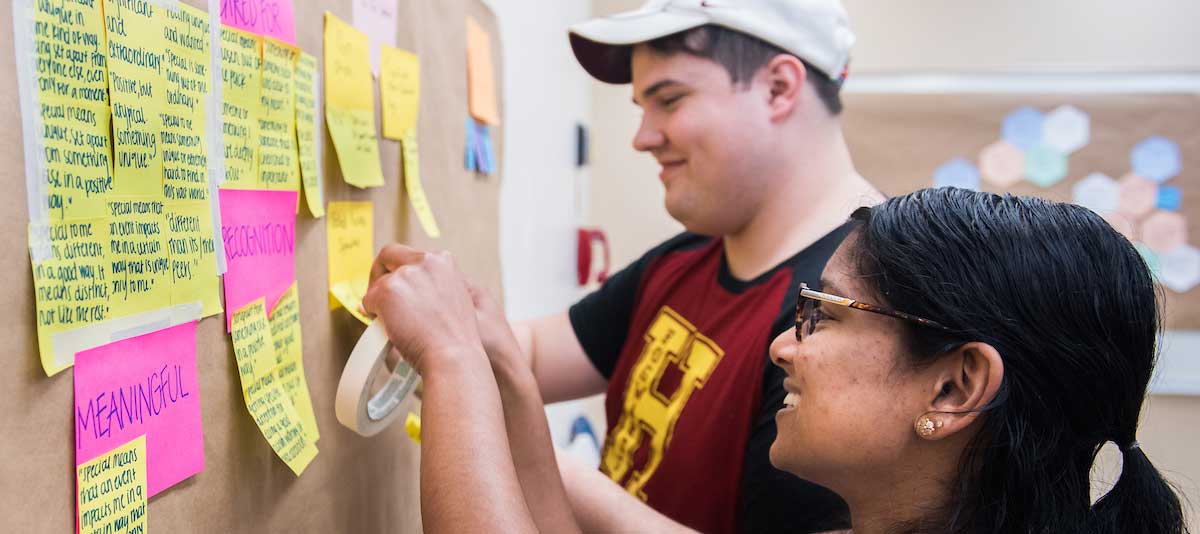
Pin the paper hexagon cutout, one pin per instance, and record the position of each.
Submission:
(1164, 231)
(1002, 164)
(1097, 192)
(1170, 198)
(1179, 269)
(957, 172)
(1045, 166)
(1156, 158)
(1149, 256)
(1139, 196)
(1023, 127)
(1066, 129)
(1121, 224)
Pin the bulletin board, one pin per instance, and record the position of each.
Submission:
(899, 140)
(354, 484)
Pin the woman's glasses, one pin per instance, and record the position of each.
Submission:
(808, 314)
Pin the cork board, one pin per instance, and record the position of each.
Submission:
(355, 484)
(898, 141)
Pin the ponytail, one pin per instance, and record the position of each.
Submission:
(1141, 502)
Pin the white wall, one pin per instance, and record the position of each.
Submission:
(545, 95)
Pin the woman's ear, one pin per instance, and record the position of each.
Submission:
(967, 381)
(784, 76)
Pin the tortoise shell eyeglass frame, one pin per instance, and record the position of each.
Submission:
(806, 311)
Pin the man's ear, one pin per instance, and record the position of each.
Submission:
(784, 77)
(967, 381)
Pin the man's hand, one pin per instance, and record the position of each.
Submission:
(426, 310)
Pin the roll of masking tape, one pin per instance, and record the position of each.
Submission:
(356, 407)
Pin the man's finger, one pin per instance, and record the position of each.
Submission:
(392, 257)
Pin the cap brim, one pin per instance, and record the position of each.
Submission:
(602, 46)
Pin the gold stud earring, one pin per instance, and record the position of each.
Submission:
(927, 426)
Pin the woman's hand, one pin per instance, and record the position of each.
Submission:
(426, 310)
(494, 331)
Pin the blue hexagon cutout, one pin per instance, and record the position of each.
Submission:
(1023, 127)
(1170, 198)
(1156, 158)
(1045, 166)
(957, 172)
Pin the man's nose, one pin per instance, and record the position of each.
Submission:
(649, 136)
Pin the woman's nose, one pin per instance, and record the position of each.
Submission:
(783, 348)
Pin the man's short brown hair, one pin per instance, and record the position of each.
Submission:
(742, 55)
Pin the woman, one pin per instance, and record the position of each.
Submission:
(967, 357)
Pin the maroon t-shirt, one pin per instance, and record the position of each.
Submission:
(692, 394)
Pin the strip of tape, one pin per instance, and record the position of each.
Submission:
(355, 406)
(67, 344)
(216, 131)
(24, 46)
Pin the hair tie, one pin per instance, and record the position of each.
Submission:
(1132, 445)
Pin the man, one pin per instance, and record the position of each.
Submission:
(740, 108)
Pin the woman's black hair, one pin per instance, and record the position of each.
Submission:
(1074, 312)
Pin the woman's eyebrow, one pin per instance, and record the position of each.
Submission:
(827, 286)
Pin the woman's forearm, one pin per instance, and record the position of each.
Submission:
(468, 482)
(531, 445)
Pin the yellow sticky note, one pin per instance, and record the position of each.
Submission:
(185, 81)
(481, 77)
(241, 88)
(140, 262)
(193, 259)
(111, 490)
(71, 288)
(138, 93)
(351, 243)
(306, 134)
(350, 237)
(412, 425)
(399, 91)
(268, 404)
(349, 295)
(278, 166)
(412, 184)
(289, 360)
(349, 103)
(74, 110)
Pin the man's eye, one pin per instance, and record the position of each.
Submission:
(670, 101)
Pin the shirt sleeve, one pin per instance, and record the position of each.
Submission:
(601, 319)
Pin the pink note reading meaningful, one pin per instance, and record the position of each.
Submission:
(273, 18)
(259, 232)
(142, 385)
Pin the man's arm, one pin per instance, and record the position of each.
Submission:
(558, 362)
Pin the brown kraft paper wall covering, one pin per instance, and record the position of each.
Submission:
(355, 484)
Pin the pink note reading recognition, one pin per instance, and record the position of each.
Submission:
(259, 232)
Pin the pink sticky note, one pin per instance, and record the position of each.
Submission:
(273, 18)
(142, 385)
(259, 232)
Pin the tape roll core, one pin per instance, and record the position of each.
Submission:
(359, 410)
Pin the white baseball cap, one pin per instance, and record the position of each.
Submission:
(816, 31)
